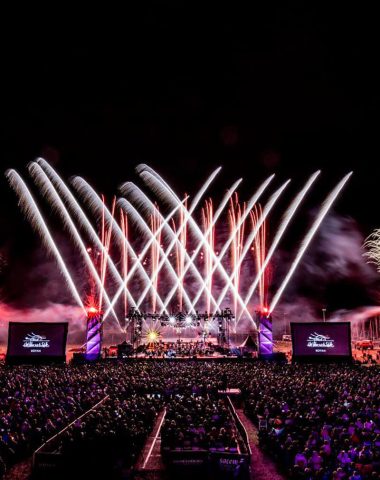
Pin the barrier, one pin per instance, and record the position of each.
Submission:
(47, 459)
(240, 426)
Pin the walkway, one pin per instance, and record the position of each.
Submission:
(149, 465)
(262, 467)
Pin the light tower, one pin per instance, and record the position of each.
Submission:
(94, 334)
(265, 332)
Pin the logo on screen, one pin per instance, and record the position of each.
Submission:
(35, 342)
(316, 340)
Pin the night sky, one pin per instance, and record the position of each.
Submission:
(285, 90)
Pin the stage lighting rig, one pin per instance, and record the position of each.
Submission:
(181, 320)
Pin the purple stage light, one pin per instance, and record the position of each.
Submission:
(94, 334)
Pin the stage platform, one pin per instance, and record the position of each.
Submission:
(178, 359)
(198, 358)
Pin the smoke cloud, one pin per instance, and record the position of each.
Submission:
(51, 313)
(338, 253)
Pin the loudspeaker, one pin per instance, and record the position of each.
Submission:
(124, 350)
(78, 358)
(274, 357)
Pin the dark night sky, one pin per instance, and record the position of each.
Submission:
(282, 89)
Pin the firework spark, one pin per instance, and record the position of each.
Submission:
(372, 245)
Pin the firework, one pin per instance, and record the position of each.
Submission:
(190, 263)
(32, 212)
(209, 233)
(327, 204)
(218, 259)
(161, 253)
(259, 249)
(78, 214)
(289, 214)
(372, 245)
(42, 180)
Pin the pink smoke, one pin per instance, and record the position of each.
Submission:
(52, 313)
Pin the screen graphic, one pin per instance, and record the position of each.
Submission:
(321, 339)
(37, 339)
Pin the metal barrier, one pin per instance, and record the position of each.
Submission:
(240, 426)
(47, 459)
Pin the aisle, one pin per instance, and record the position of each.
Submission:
(262, 467)
(149, 464)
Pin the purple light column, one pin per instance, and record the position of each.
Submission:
(265, 335)
(94, 336)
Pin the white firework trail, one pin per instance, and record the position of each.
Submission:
(372, 246)
(96, 204)
(293, 207)
(190, 261)
(131, 210)
(143, 200)
(138, 265)
(129, 188)
(268, 207)
(218, 260)
(327, 204)
(158, 185)
(186, 213)
(81, 217)
(33, 214)
(48, 190)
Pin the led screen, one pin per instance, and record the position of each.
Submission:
(37, 339)
(321, 339)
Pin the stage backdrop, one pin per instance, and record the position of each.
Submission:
(36, 340)
(321, 339)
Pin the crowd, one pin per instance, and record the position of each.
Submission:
(114, 431)
(316, 421)
(199, 422)
(36, 402)
(320, 421)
